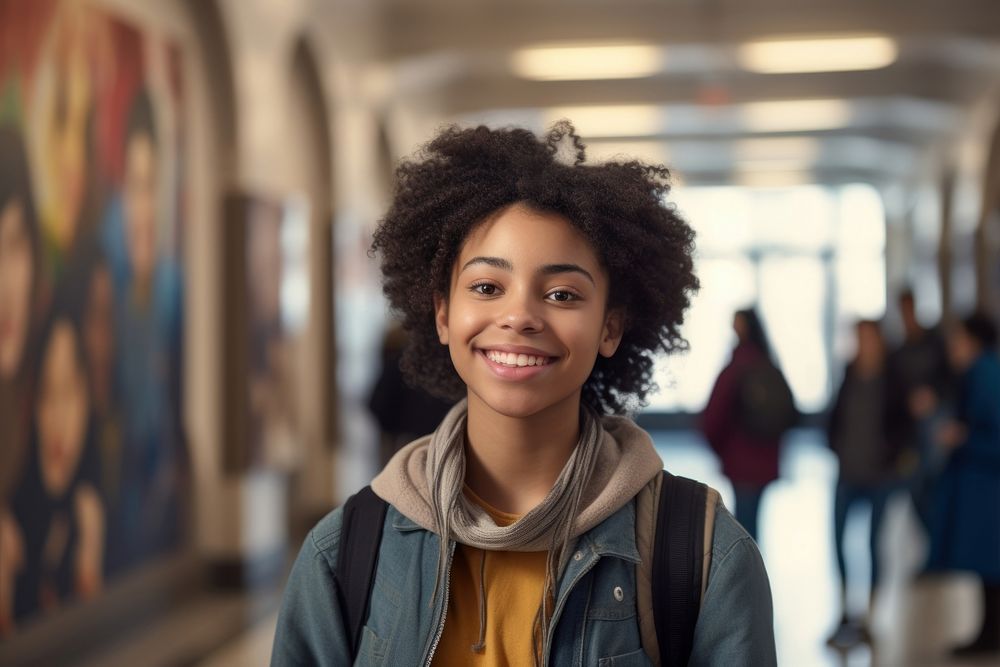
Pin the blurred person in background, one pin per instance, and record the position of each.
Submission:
(920, 384)
(966, 522)
(748, 411)
(403, 412)
(858, 432)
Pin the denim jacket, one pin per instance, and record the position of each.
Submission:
(595, 621)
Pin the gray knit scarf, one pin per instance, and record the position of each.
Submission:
(547, 527)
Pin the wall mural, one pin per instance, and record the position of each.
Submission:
(93, 465)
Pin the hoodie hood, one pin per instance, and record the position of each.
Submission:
(626, 462)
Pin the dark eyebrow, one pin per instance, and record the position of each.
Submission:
(552, 269)
(495, 262)
(548, 269)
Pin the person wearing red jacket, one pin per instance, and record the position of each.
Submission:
(749, 460)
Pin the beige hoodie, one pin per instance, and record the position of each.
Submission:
(626, 462)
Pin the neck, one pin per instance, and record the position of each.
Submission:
(513, 462)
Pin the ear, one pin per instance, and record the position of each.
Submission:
(614, 329)
(441, 317)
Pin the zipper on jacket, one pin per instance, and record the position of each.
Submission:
(444, 607)
(560, 605)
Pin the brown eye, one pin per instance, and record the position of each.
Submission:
(485, 289)
(562, 296)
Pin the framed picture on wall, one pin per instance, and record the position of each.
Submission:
(267, 297)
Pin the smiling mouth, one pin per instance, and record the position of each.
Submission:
(513, 360)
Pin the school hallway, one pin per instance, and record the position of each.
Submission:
(914, 622)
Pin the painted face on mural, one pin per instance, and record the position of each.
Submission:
(140, 205)
(17, 270)
(63, 406)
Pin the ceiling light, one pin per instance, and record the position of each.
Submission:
(820, 54)
(587, 61)
(776, 149)
(795, 115)
(773, 179)
(650, 152)
(635, 120)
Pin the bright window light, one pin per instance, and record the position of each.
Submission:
(811, 258)
(822, 54)
(587, 61)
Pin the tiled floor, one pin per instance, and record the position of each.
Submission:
(914, 622)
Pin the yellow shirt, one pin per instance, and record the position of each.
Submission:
(514, 584)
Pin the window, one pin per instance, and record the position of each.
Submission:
(811, 258)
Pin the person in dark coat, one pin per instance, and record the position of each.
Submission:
(749, 461)
(920, 385)
(966, 528)
(403, 412)
(858, 431)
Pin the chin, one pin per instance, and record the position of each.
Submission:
(518, 404)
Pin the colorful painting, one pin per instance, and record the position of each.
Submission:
(93, 464)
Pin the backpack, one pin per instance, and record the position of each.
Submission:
(765, 407)
(676, 574)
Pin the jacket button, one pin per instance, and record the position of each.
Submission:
(619, 593)
(578, 555)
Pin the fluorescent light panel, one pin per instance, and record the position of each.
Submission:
(818, 54)
(611, 121)
(773, 179)
(654, 152)
(777, 149)
(796, 115)
(564, 62)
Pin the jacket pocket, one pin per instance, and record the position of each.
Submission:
(633, 659)
(371, 651)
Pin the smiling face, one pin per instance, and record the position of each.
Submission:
(63, 404)
(17, 270)
(526, 314)
(140, 205)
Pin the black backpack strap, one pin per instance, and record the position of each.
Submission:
(678, 558)
(360, 537)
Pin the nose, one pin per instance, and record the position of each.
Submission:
(518, 312)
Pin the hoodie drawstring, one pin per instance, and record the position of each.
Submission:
(480, 645)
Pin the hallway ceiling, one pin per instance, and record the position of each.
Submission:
(455, 57)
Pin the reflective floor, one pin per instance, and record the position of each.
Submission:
(914, 622)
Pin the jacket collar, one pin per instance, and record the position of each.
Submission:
(615, 536)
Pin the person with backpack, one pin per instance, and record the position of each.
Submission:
(535, 525)
(748, 411)
(859, 430)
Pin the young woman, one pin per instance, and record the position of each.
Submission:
(537, 291)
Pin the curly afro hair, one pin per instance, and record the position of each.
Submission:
(463, 176)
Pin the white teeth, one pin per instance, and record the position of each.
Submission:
(518, 360)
